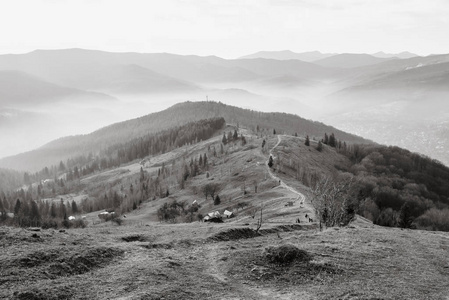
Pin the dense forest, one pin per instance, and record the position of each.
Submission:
(393, 186)
(400, 188)
(10, 179)
(177, 115)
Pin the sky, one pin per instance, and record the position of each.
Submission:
(226, 28)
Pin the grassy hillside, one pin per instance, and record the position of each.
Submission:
(176, 115)
(178, 258)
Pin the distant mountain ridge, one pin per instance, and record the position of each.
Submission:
(401, 55)
(287, 55)
(350, 60)
(18, 87)
(177, 115)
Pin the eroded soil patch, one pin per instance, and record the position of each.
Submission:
(282, 265)
(53, 263)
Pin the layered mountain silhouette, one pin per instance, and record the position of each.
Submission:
(403, 55)
(350, 60)
(319, 86)
(177, 115)
(287, 55)
(19, 88)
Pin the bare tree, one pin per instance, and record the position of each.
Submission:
(260, 220)
(333, 201)
(211, 189)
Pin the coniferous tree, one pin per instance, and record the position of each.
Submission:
(274, 131)
(319, 147)
(217, 200)
(332, 141)
(142, 175)
(34, 214)
(2, 210)
(307, 142)
(205, 160)
(224, 140)
(270, 161)
(17, 207)
(74, 207)
(235, 136)
(61, 167)
(53, 212)
(326, 139)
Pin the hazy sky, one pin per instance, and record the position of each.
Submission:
(227, 28)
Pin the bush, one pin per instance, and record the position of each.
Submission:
(79, 223)
(117, 220)
(286, 254)
(47, 224)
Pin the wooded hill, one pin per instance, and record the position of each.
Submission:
(177, 115)
(393, 186)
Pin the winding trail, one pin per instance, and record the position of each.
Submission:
(301, 196)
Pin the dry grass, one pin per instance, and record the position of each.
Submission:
(193, 261)
(145, 259)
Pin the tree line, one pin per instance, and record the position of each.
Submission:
(66, 178)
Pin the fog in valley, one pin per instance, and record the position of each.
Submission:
(390, 100)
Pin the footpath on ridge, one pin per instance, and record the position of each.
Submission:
(301, 197)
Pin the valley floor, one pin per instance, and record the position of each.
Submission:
(223, 261)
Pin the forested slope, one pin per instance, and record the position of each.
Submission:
(177, 115)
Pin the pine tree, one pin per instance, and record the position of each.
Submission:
(307, 143)
(200, 161)
(2, 210)
(17, 207)
(319, 147)
(217, 200)
(235, 136)
(332, 141)
(224, 140)
(65, 221)
(34, 214)
(53, 212)
(61, 167)
(326, 139)
(142, 175)
(74, 207)
(205, 160)
(270, 161)
(274, 131)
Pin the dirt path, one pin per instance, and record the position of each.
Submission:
(301, 196)
(239, 290)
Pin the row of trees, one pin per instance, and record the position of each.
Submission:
(39, 213)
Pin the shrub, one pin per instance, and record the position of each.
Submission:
(286, 254)
(47, 224)
(79, 223)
